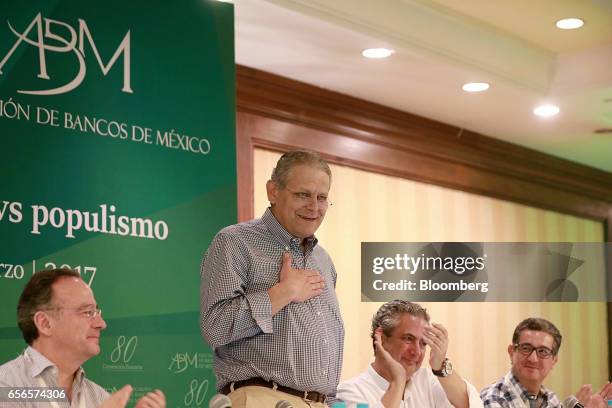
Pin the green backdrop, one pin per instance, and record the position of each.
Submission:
(144, 140)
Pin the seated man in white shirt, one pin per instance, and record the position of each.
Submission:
(61, 323)
(401, 331)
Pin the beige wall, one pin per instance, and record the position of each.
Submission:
(374, 207)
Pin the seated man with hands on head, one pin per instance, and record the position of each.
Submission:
(533, 353)
(400, 332)
(61, 323)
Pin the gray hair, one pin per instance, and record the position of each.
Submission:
(293, 158)
(389, 315)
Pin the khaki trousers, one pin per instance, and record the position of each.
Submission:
(263, 397)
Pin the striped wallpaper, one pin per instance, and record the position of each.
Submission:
(374, 207)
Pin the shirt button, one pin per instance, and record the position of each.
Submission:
(324, 372)
(318, 313)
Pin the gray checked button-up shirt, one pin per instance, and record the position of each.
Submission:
(299, 347)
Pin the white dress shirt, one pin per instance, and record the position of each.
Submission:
(423, 391)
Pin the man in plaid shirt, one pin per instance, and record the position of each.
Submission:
(533, 353)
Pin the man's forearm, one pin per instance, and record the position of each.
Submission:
(234, 319)
(456, 390)
(394, 394)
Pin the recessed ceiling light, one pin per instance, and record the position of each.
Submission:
(546, 111)
(569, 23)
(475, 86)
(377, 52)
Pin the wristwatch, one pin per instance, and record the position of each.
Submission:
(445, 371)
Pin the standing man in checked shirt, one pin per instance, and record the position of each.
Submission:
(533, 353)
(268, 303)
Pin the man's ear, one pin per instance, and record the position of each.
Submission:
(272, 190)
(378, 331)
(555, 359)
(42, 322)
(510, 350)
(383, 336)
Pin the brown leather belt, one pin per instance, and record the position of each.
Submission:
(260, 382)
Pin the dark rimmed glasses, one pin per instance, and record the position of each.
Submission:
(526, 349)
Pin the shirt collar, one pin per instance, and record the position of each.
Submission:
(545, 393)
(282, 235)
(383, 384)
(378, 379)
(39, 363)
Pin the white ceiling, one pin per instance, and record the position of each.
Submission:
(441, 44)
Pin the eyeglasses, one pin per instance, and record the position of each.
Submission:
(526, 349)
(306, 198)
(90, 313)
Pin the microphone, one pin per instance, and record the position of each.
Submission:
(572, 402)
(220, 401)
(283, 404)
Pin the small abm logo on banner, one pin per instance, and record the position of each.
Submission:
(181, 361)
(54, 36)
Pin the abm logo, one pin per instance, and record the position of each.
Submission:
(52, 28)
